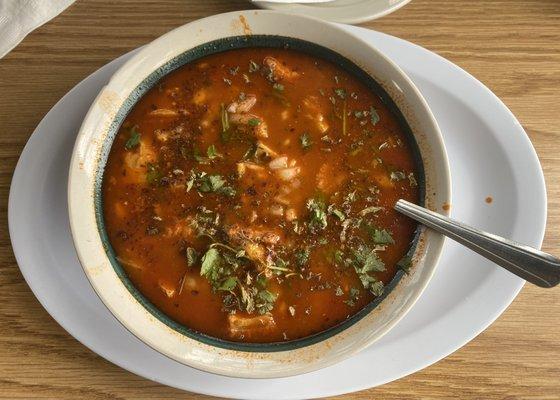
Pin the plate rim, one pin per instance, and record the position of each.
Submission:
(308, 10)
(348, 389)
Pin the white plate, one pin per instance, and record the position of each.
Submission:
(490, 155)
(345, 11)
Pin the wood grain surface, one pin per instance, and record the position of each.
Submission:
(511, 46)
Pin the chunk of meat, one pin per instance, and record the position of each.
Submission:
(258, 234)
(243, 106)
(328, 179)
(241, 326)
(278, 163)
(200, 96)
(287, 174)
(120, 210)
(162, 135)
(251, 122)
(166, 288)
(267, 150)
(311, 103)
(382, 179)
(136, 161)
(255, 252)
(279, 71)
(291, 214)
(277, 210)
(182, 229)
(163, 113)
(256, 170)
(187, 283)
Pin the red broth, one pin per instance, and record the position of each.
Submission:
(249, 195)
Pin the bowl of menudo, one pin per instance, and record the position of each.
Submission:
(232, 187)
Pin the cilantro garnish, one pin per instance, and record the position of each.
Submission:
(134, 139)
(405, 263)
(374, 116)
(192, 256)
(254, 122)
(379, 236)
(253, 66)
(340, 92)
(153, 175)
(397, 176)
(214, 184)
(382, 237)
(318, 215)
(212, 153)
(305, 141)
(302, 257)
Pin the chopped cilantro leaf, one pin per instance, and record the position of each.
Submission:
(336, 212)
(191, 180)
(253, 66)
(379, 236)
(229, 284)
(369, 210)
(305, 141)
(265, 301)
(302, 257)
(134, 139)
(212, 152)
(377, 288)
(405, 263)
(227, 191)
(339, 214)
(192, 256)
(340, 93)
(366, 260)
(338, 257)
(374, 116)
(153, 174)
(353, 296)
(318, 215)
(412, 180)
(214, 184)
(211, 183)
(254, 122)
(278, 86)
(211, 265)
(397, 176)
(382, 237)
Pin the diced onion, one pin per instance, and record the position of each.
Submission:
(164, 112)
(277, 210)
(278, 163)
(291, 214)
(287, 174)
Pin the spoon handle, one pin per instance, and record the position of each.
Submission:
(531, 264)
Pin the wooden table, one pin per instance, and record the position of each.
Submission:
(512, 46)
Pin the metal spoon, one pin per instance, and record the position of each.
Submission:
(533, 265)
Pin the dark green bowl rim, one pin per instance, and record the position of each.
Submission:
(198, 52)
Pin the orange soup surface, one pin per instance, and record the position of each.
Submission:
(249, 195)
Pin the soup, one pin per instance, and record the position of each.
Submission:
(249, 195)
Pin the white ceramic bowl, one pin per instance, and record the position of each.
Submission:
(138, 315)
